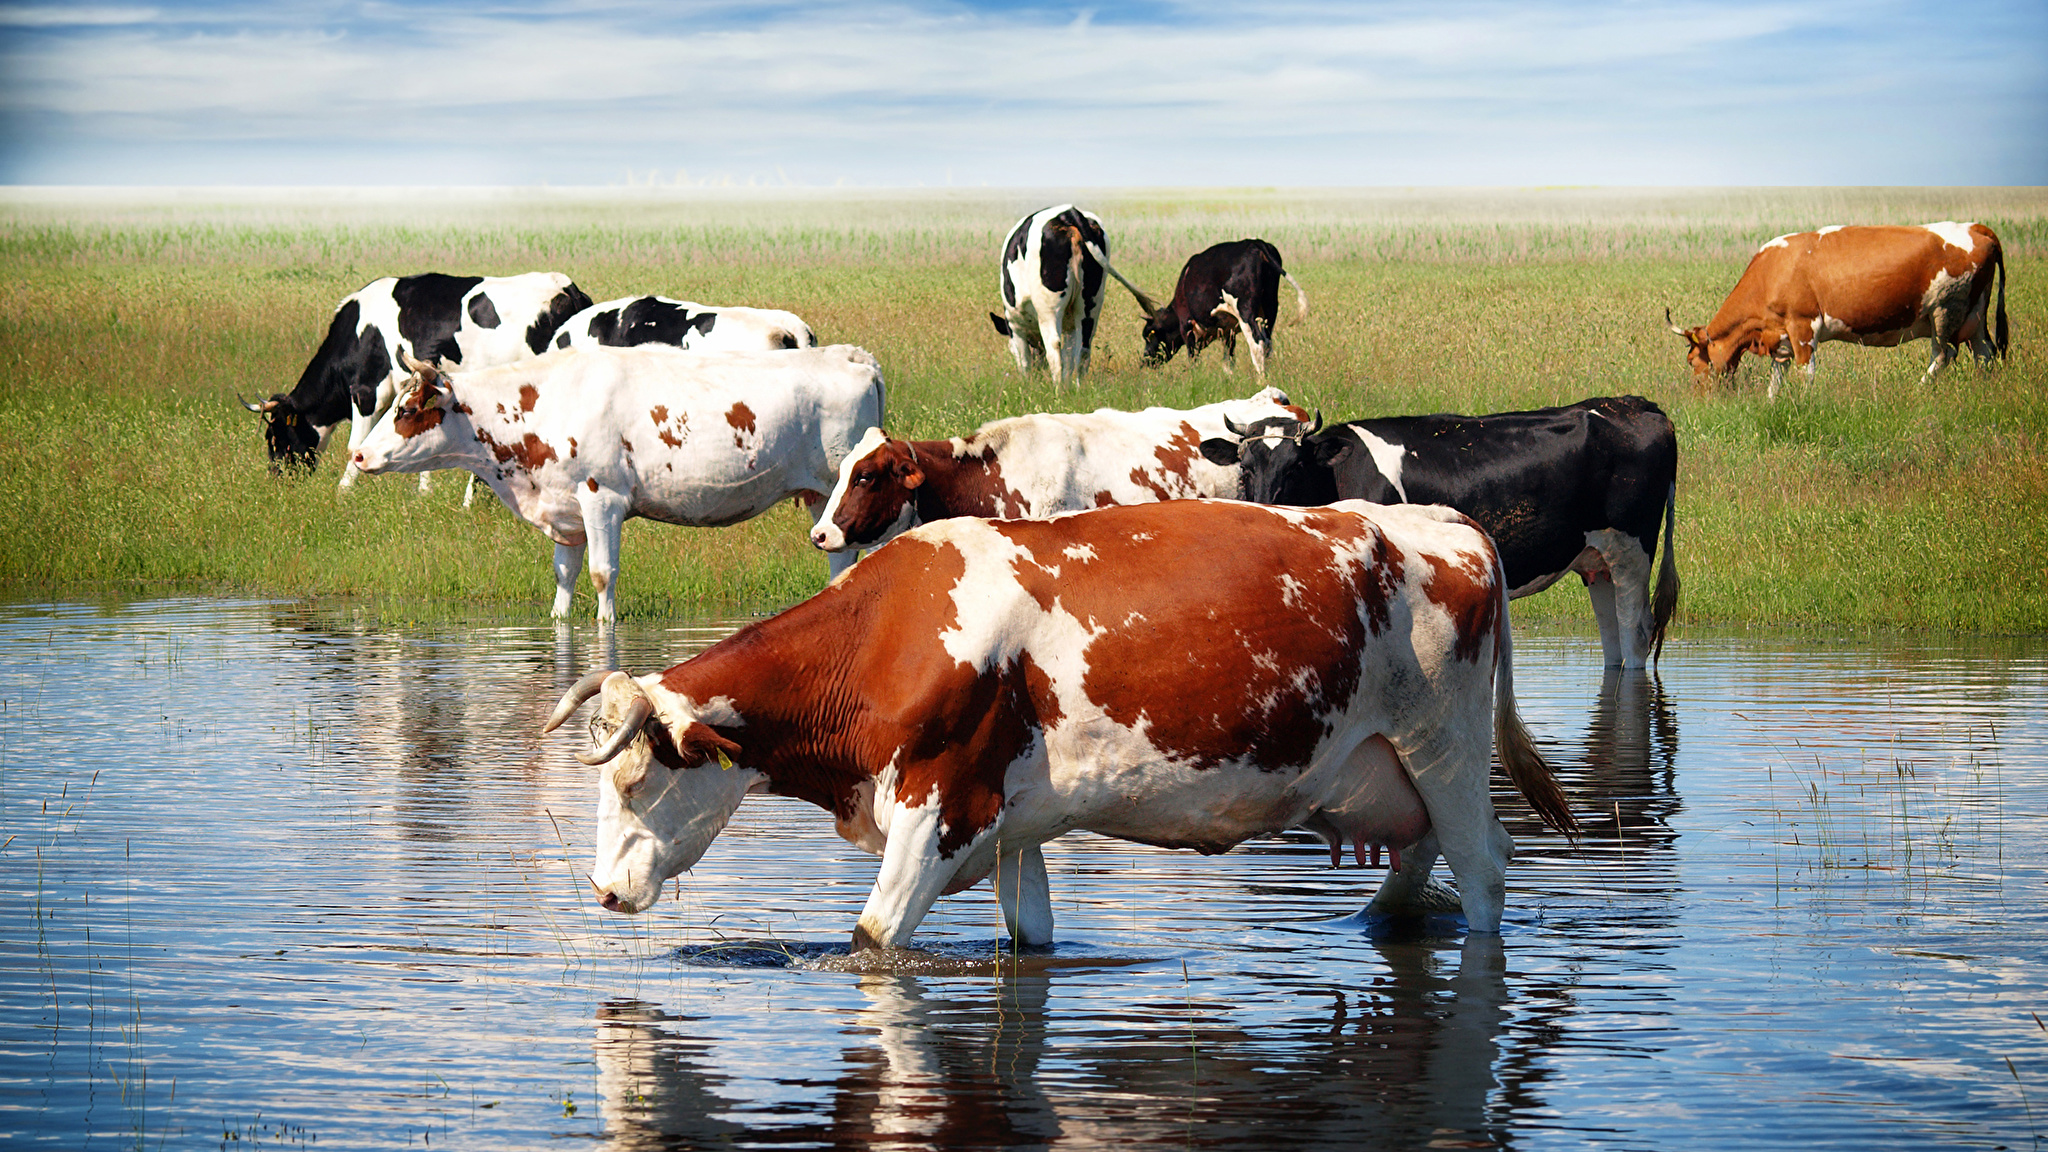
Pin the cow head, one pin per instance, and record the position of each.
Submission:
(875, 499)
(293, 443)
(413, 436)
(667, 784)
(1163, 337)
(1700, 352)
(1279, 461)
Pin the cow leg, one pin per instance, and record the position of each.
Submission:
(604, 514)
(1600, 589)
(1025, 895)
(1056, 352)
(1943, 353)
(1452, 779)
(568, 563)
(912, 878)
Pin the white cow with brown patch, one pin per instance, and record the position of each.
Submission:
(1036, 466)
(579, 442)
(980, 687)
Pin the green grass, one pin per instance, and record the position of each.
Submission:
(129, 324)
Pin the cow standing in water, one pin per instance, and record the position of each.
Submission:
(1188, 674)
(472, 321)
(1051, 279)
(1224, 290)
(578, 442)
(1874, 285)
(1575, 489)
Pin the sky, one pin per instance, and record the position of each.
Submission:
(903, 93)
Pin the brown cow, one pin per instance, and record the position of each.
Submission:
(1874, 285)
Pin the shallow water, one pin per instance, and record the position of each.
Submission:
(274, 875)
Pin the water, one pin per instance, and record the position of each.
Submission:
(272, 875)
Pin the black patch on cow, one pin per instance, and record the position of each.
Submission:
(429, 313)
(568, 302)
(649, 320)
(482, 312)
(789, 341)
(705, 322)
(1002, 325)
(604, 327)
(1054, 250)
(562, 341)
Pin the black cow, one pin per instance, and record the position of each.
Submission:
(1230, 288)
(474, 321)
(1051, 281)
(1575, 489)
(631, 321)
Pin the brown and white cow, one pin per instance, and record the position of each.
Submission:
(1877, 285)
(578, 442)
(980, 687)
(1035, 466)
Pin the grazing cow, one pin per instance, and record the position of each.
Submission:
(1033, 467)
(633, 320)
(474, 321)
(579, 442)
(1872, 285)
(1188, 674)
(1577, 489)
(1052, 285)
(1229, 288)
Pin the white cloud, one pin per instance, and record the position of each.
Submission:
(1471, 91)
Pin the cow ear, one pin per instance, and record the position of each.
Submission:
(1330, 450)
(1002, 325)
(912, 476)
(699, 746)
(1216, 450)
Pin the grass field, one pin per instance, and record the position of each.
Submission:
(129, 322)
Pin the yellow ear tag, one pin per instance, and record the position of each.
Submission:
(724, 761)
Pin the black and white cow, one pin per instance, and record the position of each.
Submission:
(473, 321)
(1052, 281)
(1223, 290)
(634, 320)
(1575, 489)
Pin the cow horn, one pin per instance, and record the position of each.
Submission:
(637, 714)
(266, 406)
(1234, 430)
(1318, 424)
(1673, 325)
(573, 699)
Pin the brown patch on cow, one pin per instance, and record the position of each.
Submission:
(529, 453)
(1246, 673)
(599, 581)
(626, 444)
(528, 397)
(1466, 591)
(671, 439)
(741, 417)
(414, 420)
(658, 414)
(1103, 499)
(592, 483)
(572, 447)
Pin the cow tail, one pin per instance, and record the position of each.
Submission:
(2000, 338)
(1145, 302)
(1511, 741)
(1665, 601)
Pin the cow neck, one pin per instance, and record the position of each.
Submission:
(490, 413)
(791, 685)
(956, 484)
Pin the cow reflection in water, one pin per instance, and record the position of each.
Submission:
(1408, 1060)
(1629, 768)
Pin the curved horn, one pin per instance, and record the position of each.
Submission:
(1231, 426)
(416, 367)
(637, 715)
(573, 699)
(267, 406)
(1671, 324)
(1318, 425)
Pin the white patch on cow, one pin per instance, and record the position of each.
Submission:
(1079, 552)
(1831, 229)
(1825, 328)
(1290, 591)
(1386, 456)
(1953, 234)
(1778, 242)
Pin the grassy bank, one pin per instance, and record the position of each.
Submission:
(129, 324)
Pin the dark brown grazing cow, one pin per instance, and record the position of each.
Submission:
(1190, 674)
(1878, 285)
(1223, 290)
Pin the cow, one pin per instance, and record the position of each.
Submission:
(1876, 285)
(1051, 280)
(578, 442)
(473, 321)
(634, 320)
(1188, 674)
(1223, 290)
(1573, 489)
(1033, 466)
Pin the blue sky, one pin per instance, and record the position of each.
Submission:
(917, 92)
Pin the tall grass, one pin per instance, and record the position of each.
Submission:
(128, 324)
